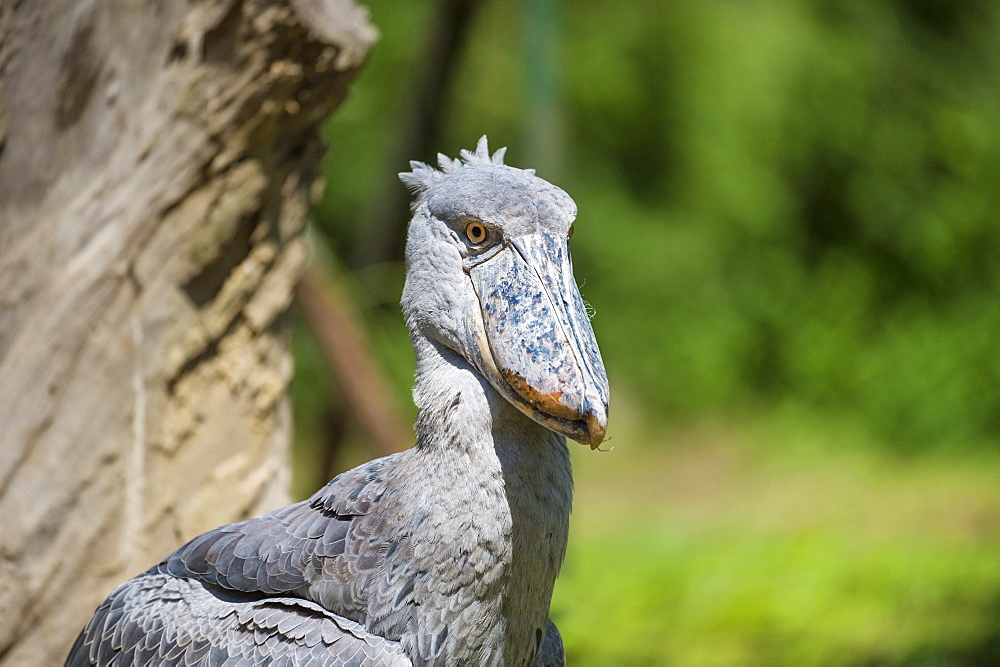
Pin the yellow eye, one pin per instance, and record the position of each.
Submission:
(476, 232)
(569, 234)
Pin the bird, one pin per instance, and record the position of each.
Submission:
(445, 553)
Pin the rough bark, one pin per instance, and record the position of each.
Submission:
(157, 159)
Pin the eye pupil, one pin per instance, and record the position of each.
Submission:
(476, 232)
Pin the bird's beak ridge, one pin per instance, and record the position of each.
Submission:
(537, 344)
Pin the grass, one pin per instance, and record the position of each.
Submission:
(777, 540)
(724, 545)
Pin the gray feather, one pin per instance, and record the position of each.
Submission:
(443, 554)
(168, 620)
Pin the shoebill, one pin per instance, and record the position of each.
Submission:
(445, 553)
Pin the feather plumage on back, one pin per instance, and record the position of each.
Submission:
(445, 553)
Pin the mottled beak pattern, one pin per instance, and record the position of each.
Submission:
(539, 349)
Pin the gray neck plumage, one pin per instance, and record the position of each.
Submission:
(510, 473)
(459, 409)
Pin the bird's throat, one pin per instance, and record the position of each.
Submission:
(509, 480)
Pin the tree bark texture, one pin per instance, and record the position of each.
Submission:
(157, 161)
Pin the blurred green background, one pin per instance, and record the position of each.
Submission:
(788, 230)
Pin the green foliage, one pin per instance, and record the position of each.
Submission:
(781, 202)
(808, 599)
(821, 557)
(788, 217)
(803, 193)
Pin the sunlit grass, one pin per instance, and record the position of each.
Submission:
(787, 539)
(713, 546)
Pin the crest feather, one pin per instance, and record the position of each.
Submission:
(448, 165)
(423, 176)
(420, 177)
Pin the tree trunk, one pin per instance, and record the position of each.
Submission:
(157, 160)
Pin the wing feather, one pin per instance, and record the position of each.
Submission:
(551, 653)
(166, 620)
(289, 549)
(326, 550)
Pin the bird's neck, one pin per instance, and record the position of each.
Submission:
(510, 482)
(460, 413)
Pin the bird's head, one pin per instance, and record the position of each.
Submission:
(489, 275)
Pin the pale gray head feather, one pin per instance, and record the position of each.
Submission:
(423, 176)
